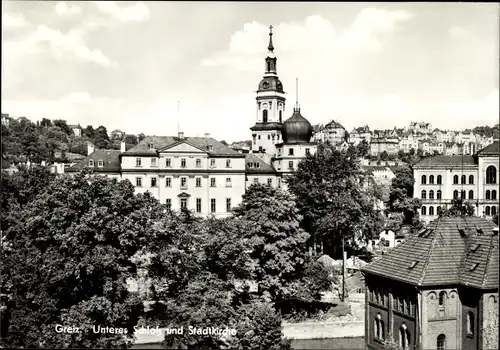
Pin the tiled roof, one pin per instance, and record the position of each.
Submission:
(491, 150)
(334, 125)
(202, 143)
(262, 167)
(110, 158)
(443, 254)
(448, 161)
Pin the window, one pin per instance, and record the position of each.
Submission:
(431, 194)
(151, 146)
(455, 179)
(264, 116)
(463, 180)
(279, 182)
(213, 206)
(212, 162)
(228, 182)
(213, 182)
(290, 164)
(378, 331)
(138, 162)
(255, 180)
(138, 181)
(280, 116)
(424, 180)
(487, 211)
(268, 137)
(168, 182)
(100, 163)
(431, 179)
(91, 163)
(404, 337)
(198, 205)
(228, 163)
(439, 194)
(441, 342)
(439, 180)
(488, 194)
(424, 210)
(153, 162)
(270, 182)
(228, 204)
(198, 162)
(423, 194)
(455, 194)
(493, 210)
(210, 148)
(431, 210)
(470, 323)
(153, 182)
(308, 151)
(168, 163)
(462, 194)
(259, 137)
(471, 194)
(471, 179)
(494, 194)
(198, 182)
(442, 299)
(168, 202)
(183, 182)
(491, 175)
(408, 306)
(290, 151)
(184, 202)
(183, 162)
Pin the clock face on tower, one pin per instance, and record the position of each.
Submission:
(265, 85)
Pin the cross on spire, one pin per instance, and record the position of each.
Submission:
(270, 47)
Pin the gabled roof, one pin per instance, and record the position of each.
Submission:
(110, 158)
(334, 125)
(441, 255)
(255, 165)
(491, 150)
(446, 161)
(160, 142)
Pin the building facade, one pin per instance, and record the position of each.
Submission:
(436, 290)
(440, 179)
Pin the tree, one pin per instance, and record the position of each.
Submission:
(63, 125)
(101, 138)
(131, 139)
(89, 132)
(279, 244)
(45, 123)
(141, 137)
(224, 143)
(68, 259)
(363, 148)
(495, 219)
(334, 199)
(459, 207)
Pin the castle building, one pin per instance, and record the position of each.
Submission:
(436, 290)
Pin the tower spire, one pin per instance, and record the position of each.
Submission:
(297, 94)
(270, 47)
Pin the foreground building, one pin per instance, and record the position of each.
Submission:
(440, 179)
(437, 289)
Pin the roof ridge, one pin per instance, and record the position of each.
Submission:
(428, 257)
(485, 275)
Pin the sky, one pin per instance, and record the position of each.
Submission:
(160, 67)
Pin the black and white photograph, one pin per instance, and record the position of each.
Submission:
(249, 175)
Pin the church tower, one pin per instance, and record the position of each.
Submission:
(270, 106)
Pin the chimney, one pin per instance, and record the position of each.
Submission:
(181, 135)
(207, 134)
(122, 146)
(495, 231)
(90, 148)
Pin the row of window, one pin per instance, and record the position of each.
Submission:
(168, 162)
(213, 204)
(268, 137)
(184, 182)
(490, 195)
(488, 211)
(100, 163)
(491, 178)
(403, 305)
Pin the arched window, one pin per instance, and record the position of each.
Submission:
(424, 194)
(431, 194)
(464, 180)
(455, 194)
(488, 194)
(471, 194)
(494, 194)
(487, 211)
(431, 179)
(423, 210)
(442, 300)
(404, 337)
(455, 179)
(470, 323)
(268, 66)
(439, 180)
(280, 116)
(441, 342)
(264, 116)
(431, 210)
(491, 175)
(493, 210)
(471, 179)
(378, 328)
(439, 194)
(424, 179)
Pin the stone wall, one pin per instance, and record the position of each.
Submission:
(319, 330)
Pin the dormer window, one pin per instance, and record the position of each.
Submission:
(413, 264)
(91, 163)
(474, 247)
(151, 146)
(290, 151)
(210, 148)
(100, 163)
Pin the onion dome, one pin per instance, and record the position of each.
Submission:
(297, 128)
(271, 83)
